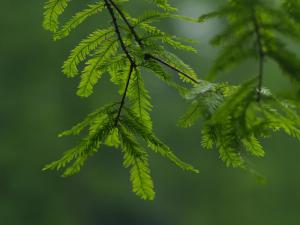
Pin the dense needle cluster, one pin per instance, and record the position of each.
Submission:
(235, 118)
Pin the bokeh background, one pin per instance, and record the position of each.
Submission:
(37, 102)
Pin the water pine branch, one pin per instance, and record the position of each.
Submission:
(149, 56)
(124, 48)
(261, 56)
(140, 43)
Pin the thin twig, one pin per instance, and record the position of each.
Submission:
(149, 56)
(117, 30)
(131, 28)
(124, 94)
(261, 55)
(125, 50)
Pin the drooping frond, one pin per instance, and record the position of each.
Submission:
(53, 9)
(255, 29)
(79, 18)
(84, 49)
(100, 126)
(159, 72)
(287, 60)
(136, 158)
(156, 34)
(127, 135)
(96, 67)
(185, 72)
(236, 118)
(149, 16)
(140, 99)
(234, 122)
(136, 125)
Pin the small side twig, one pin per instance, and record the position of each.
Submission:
(261, 55)
(149, 56)
(131, 28)
(124, 94)
(125, 50)
(118, 32)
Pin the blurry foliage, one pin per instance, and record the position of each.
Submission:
(237, 118)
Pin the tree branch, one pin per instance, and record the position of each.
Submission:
(261, 55)
(117, 31)
(124, 94)
(149, 56)
(125, 50)
(131, 28)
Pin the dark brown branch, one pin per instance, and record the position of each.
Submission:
(124, 94)
(261, 56)
(125, 50)
(131, 28)
(117, 31)
(149, 56)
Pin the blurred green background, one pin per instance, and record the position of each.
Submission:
(37, 102)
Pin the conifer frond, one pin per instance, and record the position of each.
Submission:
(100, 127)
(252, 30)
(166, 39)
(185, 72)
(79, 18)
(96, 67)
(52, 10)
(160, 72)
(164, 4)
(208, 137)
(139, 98)
(230, 157)
(236, 123)
(287, 60)
(78, 128)
(127, 135)
(84, 49)
(149, 16)
(159, 147)
(139, 127)
(253, 146)
(191, 115)
(205, 99)
(136, 158)
(236, 118)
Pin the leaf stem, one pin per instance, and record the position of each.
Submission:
(149, 56)
(124, 94)
(131, 28)
(125, 50)
(261, 56)
(117, 31)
